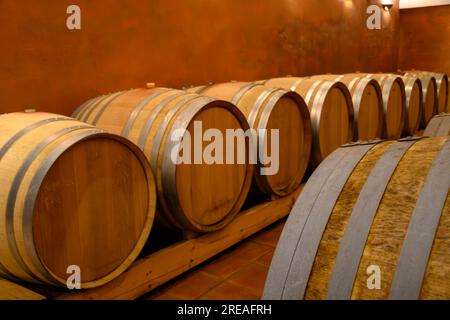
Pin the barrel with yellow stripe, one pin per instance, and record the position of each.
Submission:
(373, 222)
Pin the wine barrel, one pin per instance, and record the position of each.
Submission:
(442, 85)
(193, 195)
(394, 102)
(378, 209)
(367, 105)
(439, 126)
(430, 98)
(414, 105)
(331, 112)
(268, 109)
(442, 90)
(71, 195)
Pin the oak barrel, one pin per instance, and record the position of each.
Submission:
(268, 109)
(331, 109)
(194, 193)
(430, 97)
(394, 103)
(367, 105)
(414, 105)
(371, 210)
(442, 85)
(439, 126)
(71, 195)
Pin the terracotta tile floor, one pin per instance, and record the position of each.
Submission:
(238, 273)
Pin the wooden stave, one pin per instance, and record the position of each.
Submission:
(19, 219)
(170, 216)
(320, 88)
(257, 115)
(274, 288)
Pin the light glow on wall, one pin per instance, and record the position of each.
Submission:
(348, 4)
(387, 4)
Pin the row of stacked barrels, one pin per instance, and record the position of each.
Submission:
(84, 192)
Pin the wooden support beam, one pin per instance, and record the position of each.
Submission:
(12, 291)
(154, 270)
